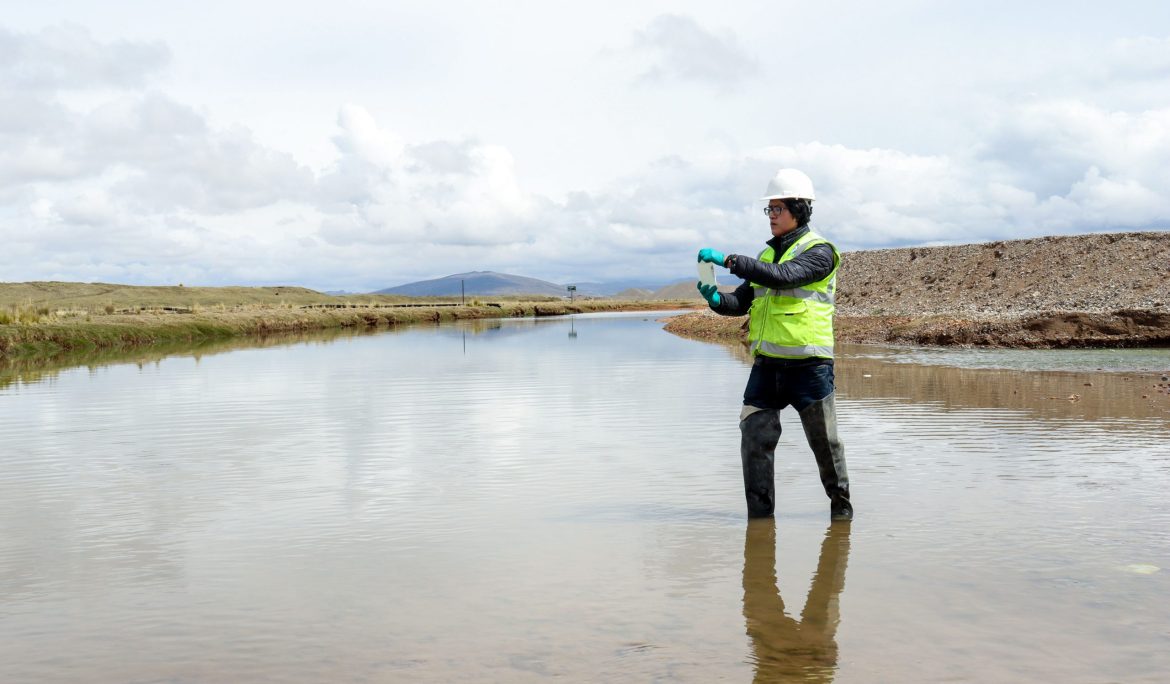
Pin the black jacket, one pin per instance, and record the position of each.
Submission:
(815, 264)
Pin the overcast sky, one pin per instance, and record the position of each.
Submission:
(357, 145)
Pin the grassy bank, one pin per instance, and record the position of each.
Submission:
(38, 331)
(62, 298)
(36, 367)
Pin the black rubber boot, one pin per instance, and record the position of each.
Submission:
(820, 428)
(759, 433)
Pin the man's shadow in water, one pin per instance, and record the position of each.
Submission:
(786, 649)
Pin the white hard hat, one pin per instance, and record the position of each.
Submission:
(789, 184)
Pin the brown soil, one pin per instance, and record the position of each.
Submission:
(1106, 290)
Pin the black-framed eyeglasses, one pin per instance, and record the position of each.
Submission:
(774, 211)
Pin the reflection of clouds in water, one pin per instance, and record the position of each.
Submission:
(785, 648)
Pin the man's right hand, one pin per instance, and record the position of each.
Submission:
(712, 256)
(710, 293)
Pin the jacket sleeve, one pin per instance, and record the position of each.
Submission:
(815, 264)
(735, 303)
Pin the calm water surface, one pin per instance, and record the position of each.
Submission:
(521, 500)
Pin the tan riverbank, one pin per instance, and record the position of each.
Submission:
(42, 330)
(1104, 290)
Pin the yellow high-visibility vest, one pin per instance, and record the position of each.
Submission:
(795, 323)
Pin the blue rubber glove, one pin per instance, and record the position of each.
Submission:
(712, 256)
(710, 293)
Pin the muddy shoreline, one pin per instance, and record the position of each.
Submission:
(1124, 328)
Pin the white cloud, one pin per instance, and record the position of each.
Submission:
(173, 160)
(1049, 145)
(681, 49)
(361, 137)
(31, 160)
(1117, 201)
(1138, 59)
(66, 56)
(458, 205)
(109, 170)
(439, 192)
(90, 208)
(164, 154)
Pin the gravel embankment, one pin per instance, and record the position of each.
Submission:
(1103, 290)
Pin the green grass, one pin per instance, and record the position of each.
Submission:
(49, 319)
(23, 315)
(55, 335)
(43, 365)
(98, 298)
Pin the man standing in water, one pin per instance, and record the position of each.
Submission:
(788, 295)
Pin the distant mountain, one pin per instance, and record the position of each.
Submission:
(488, 283)
(478, 283)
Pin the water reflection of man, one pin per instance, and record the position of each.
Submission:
(786, 649)
(787, 294)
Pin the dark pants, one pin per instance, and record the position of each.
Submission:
(807, 386)
(779, 383)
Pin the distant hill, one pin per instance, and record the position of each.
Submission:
(685, 289)
(634, 293)
(618, 288)
(493, 283)
(478, 283)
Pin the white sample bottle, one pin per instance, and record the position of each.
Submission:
(706, 273)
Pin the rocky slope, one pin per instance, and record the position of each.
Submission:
(1083, 273)
(1102, 290)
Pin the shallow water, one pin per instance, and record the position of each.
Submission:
(526, 499)
(1120, 360)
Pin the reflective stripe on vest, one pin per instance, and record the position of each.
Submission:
(796, 250)
(770, 349)
(794, 322)
(826, 297)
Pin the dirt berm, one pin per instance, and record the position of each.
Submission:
(1100, 290)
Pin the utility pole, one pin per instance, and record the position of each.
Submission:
(462, 294)
(572, 289)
